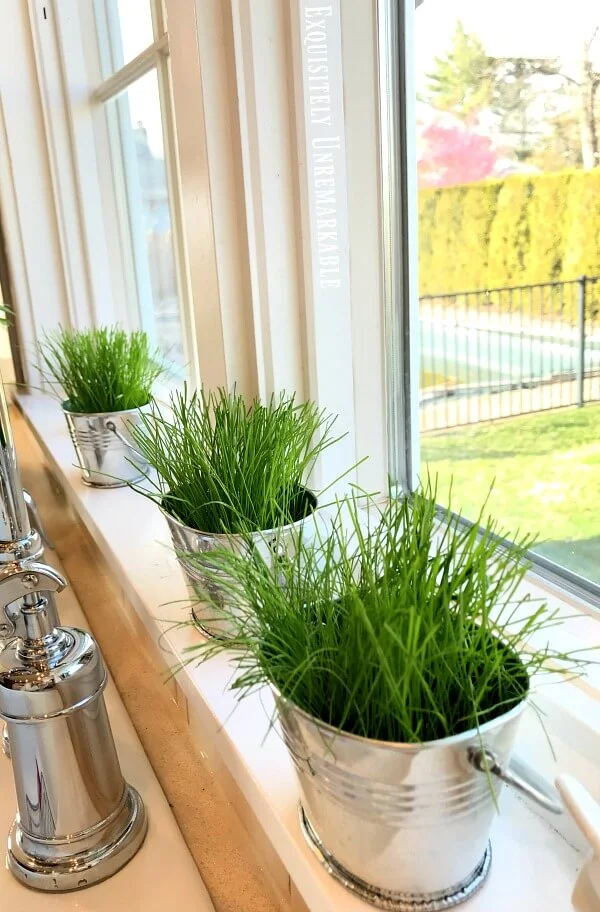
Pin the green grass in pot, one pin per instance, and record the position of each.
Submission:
(227, 467)
(101, 370)
(411, 631)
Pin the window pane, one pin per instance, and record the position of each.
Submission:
(508, 127)
(146, 214)
(130, 30)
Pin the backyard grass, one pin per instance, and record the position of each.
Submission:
(545, 470)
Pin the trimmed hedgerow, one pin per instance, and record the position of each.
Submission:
(517, 231)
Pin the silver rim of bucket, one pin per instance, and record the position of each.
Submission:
(388, 900)
(114, 483)
(402, 746)
(188, 535)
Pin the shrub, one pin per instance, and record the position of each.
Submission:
(521, 230)
(581, 225)
(548, 238)
(510, 234)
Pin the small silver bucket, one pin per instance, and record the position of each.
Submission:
(102, 443)
(272, 543)
(404, 826)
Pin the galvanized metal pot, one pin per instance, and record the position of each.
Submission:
(272, 543)
(404, 826)
(102, 443)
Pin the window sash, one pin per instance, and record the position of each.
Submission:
(136, 272)
(400, 232)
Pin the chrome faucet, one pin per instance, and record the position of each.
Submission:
(35, 550)
(21, 532)
(78, 821)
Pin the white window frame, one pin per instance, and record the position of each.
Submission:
(233, 76)
(400, 220)
(243, 201)
(154, 58)
(235, 82)
(400, 236)
(100, 286)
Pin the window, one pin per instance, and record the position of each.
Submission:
(135, 99)
(485, 375)
(130, 31)
(507, 121)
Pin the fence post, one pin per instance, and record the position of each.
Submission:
(581, 341)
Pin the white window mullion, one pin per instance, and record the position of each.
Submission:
(177, 219)
(263, 47)
(208, 262)
(363, 164)
(56, 114)
(321, 132)
(400, 235)
(79, 62)
(135, 69)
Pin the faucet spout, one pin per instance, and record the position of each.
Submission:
(14, 521)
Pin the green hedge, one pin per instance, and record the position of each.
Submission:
(518, 231)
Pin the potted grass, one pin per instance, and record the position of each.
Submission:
(105, 376)
(397, 656)
(231, 474)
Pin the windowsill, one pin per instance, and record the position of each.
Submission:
(133, 538)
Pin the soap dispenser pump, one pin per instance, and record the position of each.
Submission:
(78, 821)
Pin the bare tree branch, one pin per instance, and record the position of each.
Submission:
(588, 44)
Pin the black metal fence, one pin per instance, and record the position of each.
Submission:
(509, 351)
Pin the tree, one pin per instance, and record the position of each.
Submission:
(588, 82)
(467, 82)
(560, 146)
(517, 89)
(584, 91)
(454, 155)
(462, 81)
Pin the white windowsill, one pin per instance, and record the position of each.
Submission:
(134, 539)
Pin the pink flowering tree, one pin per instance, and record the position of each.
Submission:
(453, 155)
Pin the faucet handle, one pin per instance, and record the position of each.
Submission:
(18, 580)
(26, 577)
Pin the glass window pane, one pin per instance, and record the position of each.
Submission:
(508, 127)
(146, 214)
(130, 30)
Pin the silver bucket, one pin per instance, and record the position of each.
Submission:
(404, 826)
(102, 443)
(271, 543)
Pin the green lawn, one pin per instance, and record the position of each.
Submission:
(546, 474)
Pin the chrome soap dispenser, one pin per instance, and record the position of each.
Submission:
(78, 821)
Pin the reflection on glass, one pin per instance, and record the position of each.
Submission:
(148, 215)
(508, 134)
(130, 29)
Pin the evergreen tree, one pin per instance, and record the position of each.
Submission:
(462, 82)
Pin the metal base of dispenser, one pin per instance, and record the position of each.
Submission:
(79, 861)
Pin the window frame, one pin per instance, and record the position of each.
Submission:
(400, 220)
(136, 272)
(232, 244)
(400, 234)
(237, 64)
